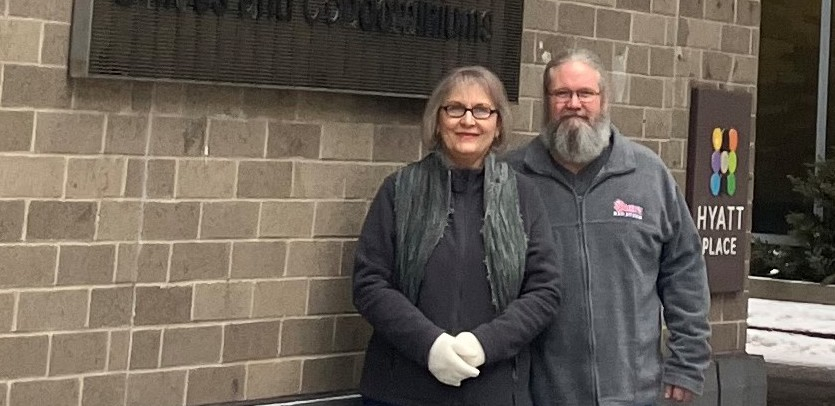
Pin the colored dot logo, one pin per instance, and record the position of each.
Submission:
(723, 161)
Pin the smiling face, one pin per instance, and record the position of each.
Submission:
(467, 139)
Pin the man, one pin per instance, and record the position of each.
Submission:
(628, 248)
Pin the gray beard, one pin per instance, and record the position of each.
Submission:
(575, 140)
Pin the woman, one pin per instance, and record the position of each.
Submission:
(453, 280)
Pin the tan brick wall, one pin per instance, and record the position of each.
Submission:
(657, 50)
(178, 244)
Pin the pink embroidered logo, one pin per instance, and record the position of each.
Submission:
(628, 210)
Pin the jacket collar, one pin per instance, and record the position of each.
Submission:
(621, 160)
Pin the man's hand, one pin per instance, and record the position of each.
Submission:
(677, 393)
(467, 346)
(446, 365)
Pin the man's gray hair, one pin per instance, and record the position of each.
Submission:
(465, 76)
(575, 55)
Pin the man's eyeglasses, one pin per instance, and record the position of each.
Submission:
(458, 111)
(564, 95)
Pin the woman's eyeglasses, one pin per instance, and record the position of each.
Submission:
(479, 112)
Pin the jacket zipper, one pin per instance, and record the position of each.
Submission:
(587, 273)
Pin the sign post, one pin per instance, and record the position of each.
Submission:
(717, 182)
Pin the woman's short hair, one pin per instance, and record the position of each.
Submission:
(459, 77)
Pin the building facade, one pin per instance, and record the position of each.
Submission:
(167, 243)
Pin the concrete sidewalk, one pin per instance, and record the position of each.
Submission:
(790, 385)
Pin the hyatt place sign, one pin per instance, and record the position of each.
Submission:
(390, 47)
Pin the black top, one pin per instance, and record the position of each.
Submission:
(454, 297)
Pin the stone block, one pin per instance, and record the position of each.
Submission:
(135, 178)
(575, 19)
(119, 220)
(142, 96)
(52, 10)
(237, 138)
(174, 136)
(11, 220)
(7, 302)
(396, 143)
(168, 98)
(53, 220)
(613, 24)
(222, 301)
(646, 91)
(63, 392)
(86, 264)
(260, 259)
(348, 252)
(229, 220)
(16, 130)
(672, 153)
(78, 353)
(56, 44)
(103, 390)
(264, 179)
(31, 177)
(22, 357)
(31, 86)
(79, 133)
(145, 347)
(549, 45)
(343, 141)
(339, 218)
(363, 181)
(216, 385)
(191, 346)
(306, 336)
(27, 266)
(156, 388)
(111, 307)
(658, 125)
(126, 134)
(717, 66)
(170, 221)
(50, 311)
(330, 296)
(119, 351)
(160, 178)
(287, 219)
(209, 179)
(250, 341)
(735, 307)
(273, 379)
(699, 34)
(637, 59)
(199, 261)
(668, 7)
(680, 126)
(744, 70)
(102, 95)
(630, 120)
(661, 62)
(212, 100)
(313, 258)
(649, 29)
(95, 178)
(720, 10)
(636, 5)
(603, 48)
(319, 180)
(688, 63)
(272, 103)
(530, 81)
(328, 374)
(280, 298)
(748, 12)
(353, 108)
(736, 39)
(352, 333)
(158, 305)
(540, 15)
(723, 337)
(692, 8)
(522, 112)
(142, 263)
(293, 140)
(19, 41)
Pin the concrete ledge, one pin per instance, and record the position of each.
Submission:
(794, 291)
(790, 385)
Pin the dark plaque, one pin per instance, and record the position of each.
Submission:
(389, 47)
(717, 182)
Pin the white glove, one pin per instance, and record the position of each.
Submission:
(466, 345)
(446, 365)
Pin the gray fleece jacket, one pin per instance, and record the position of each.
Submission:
(630, 255)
